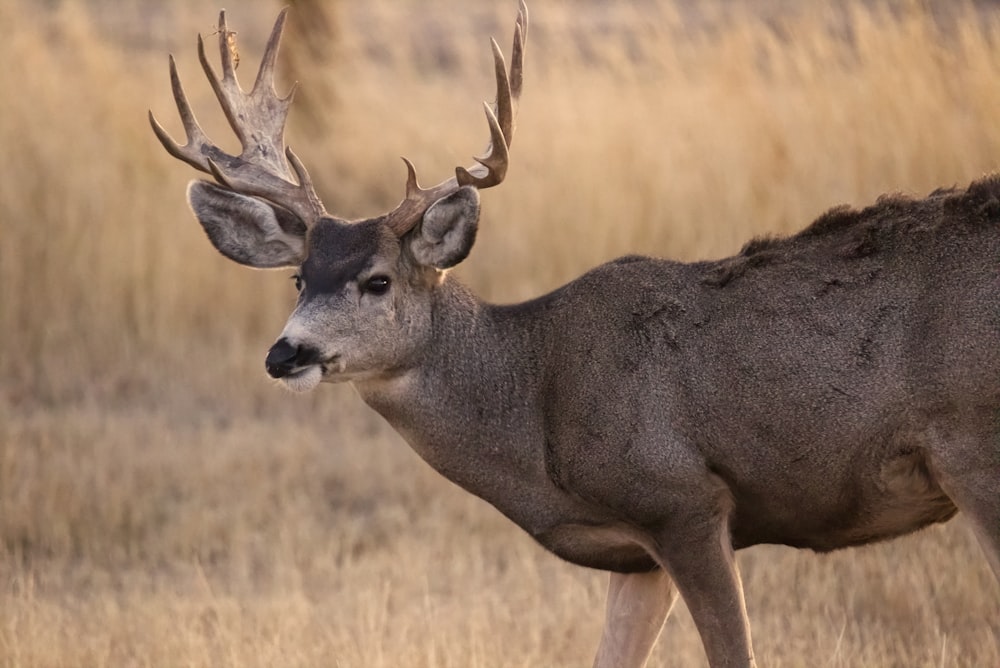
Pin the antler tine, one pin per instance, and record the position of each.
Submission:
(265, 75)
(517, 52)
(500, 117)
(258, 117)
(492, 166)
(225, 54)
(258, 120)
(192, 131)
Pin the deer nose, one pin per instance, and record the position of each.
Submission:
(281, 358)
(284, 357)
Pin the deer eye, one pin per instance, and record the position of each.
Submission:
(298, 282)
(376, 285)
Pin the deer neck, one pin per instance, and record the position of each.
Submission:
(466, 404)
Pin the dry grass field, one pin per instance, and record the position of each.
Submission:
(163, 504)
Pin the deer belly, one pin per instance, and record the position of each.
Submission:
(900, 498)
(609, 547)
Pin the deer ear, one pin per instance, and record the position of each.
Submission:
(246, 229)
(448, 230)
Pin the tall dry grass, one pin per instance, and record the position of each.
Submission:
(162, 504)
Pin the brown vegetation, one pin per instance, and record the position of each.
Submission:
(161, 503)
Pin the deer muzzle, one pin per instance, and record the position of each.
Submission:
(285, 357)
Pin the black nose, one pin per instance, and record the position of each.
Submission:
(283, 358)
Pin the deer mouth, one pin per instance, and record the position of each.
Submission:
(304, 379)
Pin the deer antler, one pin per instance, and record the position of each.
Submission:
(258, 119)
(492, 167)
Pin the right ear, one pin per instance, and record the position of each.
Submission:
(447, 230)
(246, 229)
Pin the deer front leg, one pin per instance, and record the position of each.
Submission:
(699, 556)
(638, 604)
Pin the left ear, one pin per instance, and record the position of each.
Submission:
(448, 230)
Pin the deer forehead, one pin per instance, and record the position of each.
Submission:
(339, 252)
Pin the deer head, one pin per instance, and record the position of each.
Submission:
(365, 287)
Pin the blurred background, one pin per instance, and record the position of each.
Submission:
(163, 503)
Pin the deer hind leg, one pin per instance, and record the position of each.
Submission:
(980, 503)
(638, 605)
(968, 470)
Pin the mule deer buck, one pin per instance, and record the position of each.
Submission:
(833, 388)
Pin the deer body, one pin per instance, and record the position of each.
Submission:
(830, 389)
(790, 388)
